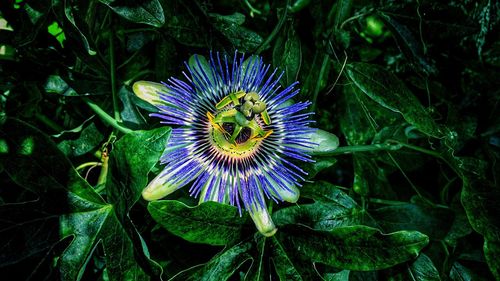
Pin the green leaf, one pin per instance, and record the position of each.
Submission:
(410, 46)
(221, 267)
(27, 219)
(319, 164)
(322, 191)
(491, 253)
(369, 178)
(144, 11)
(460, 226)
(55, 84)
(282, 263)
(434, 222)
(480, 199)
(209, 223)
(257, 270)
(315, 75)
(69, 13)
(121, 252)
(186, 27)
(132, 158)
(422, 269)
(355, 122)
(343, 11)
(320, 216)
(131, 117)
(36, 164)
(354, 247)
(85, 227)
(460, 273)
(241, 37)
(287, 55)
(89, 139)
(389, 91)
(338, 276)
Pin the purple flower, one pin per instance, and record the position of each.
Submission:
(237, 139)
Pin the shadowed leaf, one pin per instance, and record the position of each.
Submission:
(386, 89)
(355, 247)
(209, 223)
(142, 11)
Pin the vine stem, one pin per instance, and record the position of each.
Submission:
(88, 164)
(47, 121)
(275, 31)
(362, 148)
(112, 71)
(103, 176)
(106, 118)
(386, 202)
(322, 71)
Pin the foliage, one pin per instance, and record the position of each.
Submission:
(410, 88)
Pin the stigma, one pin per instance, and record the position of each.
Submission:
(237, 125)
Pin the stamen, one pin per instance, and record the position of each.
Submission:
(211, 118)
(267, 134)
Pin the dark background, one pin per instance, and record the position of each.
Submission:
(410, 87)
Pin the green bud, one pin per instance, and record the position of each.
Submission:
(374, 26)
(246, 108)
(259, 107)
(150, 91)
(247, 112)
(158, 188)
(263, 222)
(326, 142)
(252, 96)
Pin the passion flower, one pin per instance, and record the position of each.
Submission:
(237, 138)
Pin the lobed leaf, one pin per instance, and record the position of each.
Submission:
(144, 11)
(132, 158)
(209, 223)
(360, 248)
(389, 91)
(220, 267)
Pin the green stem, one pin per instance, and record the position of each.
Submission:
(322, 71)
(446, 261)
(389, 145)
(361, 148)
(385, 202)
(106, 118)
(51, 124)
(421, 149)
(103, 176)
(88, 164)
(275, 31)
(252, 9)
(432, 153)
(112, 71)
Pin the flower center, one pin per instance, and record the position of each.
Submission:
(242, 137)
(234, 129)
